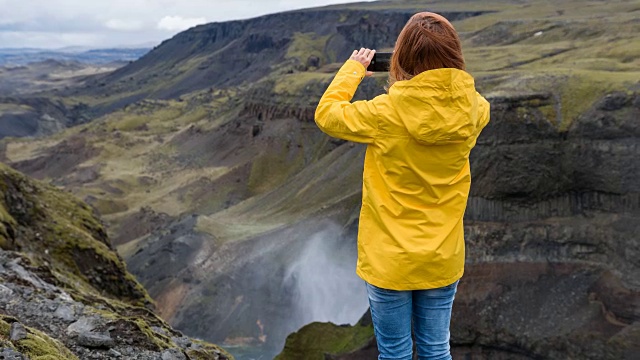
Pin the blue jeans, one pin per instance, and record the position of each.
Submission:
(393, 313)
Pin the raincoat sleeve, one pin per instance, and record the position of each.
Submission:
(484, 109)
(338, 117)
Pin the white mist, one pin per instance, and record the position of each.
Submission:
(324, 282)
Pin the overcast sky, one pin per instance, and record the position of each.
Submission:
(105, 23)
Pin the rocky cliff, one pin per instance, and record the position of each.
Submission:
(65, 293)
(239, 216)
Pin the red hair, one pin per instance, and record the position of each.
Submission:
(428, 41)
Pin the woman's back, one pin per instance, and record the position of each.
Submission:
(416, 176)
(417, 179)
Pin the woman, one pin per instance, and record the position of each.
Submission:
(416, 181)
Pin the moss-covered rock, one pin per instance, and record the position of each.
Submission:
(37, 345)
(316, 341)
(60, 277)
(53, 227)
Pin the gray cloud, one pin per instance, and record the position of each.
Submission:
(104, 23)
(50, 24)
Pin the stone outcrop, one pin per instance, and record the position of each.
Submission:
(65, 293)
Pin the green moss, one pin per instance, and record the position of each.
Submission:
(15, 108)
(4, 239)
(297, 83)
(161, 341)
(110, 206)
(550, 112)
(5, 327)
(37, 345)
(152, 117)
(493, 58)
(572, 92)
(132, 123)
(317, 339)
(5, 217)
(200, 355)
(272, 169)
(5, 221)
(305, 45)
(207, 351)
(139, 321)
(582, 90)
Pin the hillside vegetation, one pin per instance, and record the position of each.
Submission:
(65, 293)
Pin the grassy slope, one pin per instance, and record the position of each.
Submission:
(63, 235)
(315, 340)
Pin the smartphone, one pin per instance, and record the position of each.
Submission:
(380, 62)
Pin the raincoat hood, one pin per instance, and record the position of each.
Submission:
(437, 106)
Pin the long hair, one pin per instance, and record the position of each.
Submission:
(428, 41)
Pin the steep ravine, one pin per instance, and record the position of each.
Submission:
(270, 274)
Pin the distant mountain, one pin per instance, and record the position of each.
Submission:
(49, 74)
(15, 57)
(28, 102)
(25, 74)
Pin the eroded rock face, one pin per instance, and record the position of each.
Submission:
(101, 330)
(532, 310)
(552, 237)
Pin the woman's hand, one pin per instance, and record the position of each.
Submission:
(364, 57)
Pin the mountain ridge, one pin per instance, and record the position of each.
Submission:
(25, 56)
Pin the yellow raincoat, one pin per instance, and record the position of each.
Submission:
(416, 172)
